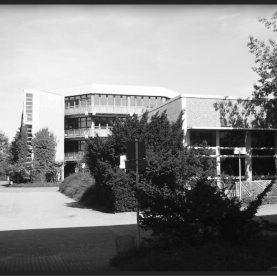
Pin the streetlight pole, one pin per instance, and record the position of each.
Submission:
(137, 180)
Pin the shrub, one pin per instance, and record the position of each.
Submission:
(199, 215)
(75, 185)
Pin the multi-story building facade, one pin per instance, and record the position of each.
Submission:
(75, 114)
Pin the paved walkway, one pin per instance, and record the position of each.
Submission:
(41, 232)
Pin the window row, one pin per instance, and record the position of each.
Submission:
(234, 138)
(260, 166)
(111, 100)
(103, 122)
(74, 146)
(77, 101)
(77, 123)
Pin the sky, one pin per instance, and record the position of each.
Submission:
(193, 49)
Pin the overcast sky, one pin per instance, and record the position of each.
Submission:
(197, 49)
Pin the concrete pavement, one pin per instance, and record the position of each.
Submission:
(40, 232)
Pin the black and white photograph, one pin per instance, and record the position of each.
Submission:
(138, 139)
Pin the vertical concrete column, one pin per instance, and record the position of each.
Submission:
(187, 137)
(62, 173)
(92, 127)
(248, 157)
(217, 152)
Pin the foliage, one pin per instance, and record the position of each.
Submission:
(19, 157)
(169, 162)
(202, 214)
(75, 185)
(222, 256)
(258, 112)
(4, 154)
(44, 148)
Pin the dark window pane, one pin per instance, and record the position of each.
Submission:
(233, 138)
(262, 138)
(226, 151)
(96, 122)
(103, 122)
(199, 136)
(262, 152)
(71, 103)
(263, 166)
(230, 166)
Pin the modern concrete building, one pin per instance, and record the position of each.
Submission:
(222, 123)
(75, 114)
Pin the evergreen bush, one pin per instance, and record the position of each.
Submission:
(76, 184)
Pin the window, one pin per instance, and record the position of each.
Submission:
(29, 106)
(139, 101)
(83, 100)
(152, 102)
(230, 166)
(77, 123)
(96, 122)
(132, 100)
(96, 100)
(117, 100)
(110, 99)
(124, 101)
(71, 102)
(199, 136)
(262, 138)
(146, 102)
(103, 100)
(159, 101)
(66, 103)
(110, 122)
(233, 138)
(77, 101)
(263, 166)
(103, 122)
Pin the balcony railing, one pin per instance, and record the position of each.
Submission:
(75, 133)
(73, 156)
(77, 110)
(102, 132)
(110, 109)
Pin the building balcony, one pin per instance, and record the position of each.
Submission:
(78, 110)
(76, 133)
(73, 156)
(105, 109)
(102, 132)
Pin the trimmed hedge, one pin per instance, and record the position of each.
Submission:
(76, 185)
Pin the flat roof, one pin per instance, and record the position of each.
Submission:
(117, 90)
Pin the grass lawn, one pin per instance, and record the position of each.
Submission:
(260, 255)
